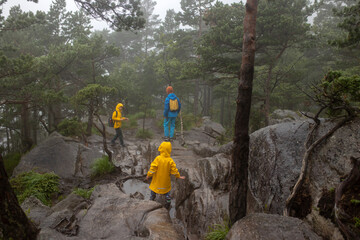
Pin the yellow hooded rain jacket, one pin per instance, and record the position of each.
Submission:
(117, 117)
(161, 169)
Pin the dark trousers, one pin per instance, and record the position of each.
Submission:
(153, 195)
(118, 135)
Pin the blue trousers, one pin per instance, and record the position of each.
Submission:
(169, 121)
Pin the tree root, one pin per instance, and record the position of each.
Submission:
(349, 181)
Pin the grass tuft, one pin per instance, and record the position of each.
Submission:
(84, 192)
(218, 231)
(101, 166)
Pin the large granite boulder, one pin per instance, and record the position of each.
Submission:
(64, 156)
(276, 154)
(261, 226)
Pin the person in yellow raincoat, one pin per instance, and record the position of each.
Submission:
(160, 170)
(117, 118)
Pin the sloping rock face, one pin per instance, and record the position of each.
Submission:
(271, 227)
(202, 200)
(109, 214)
(64, 156)
(275, 161)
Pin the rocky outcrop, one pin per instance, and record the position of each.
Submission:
(275, 160)
(64, 156)
(202, 200)
(271, 227)
(109, 214)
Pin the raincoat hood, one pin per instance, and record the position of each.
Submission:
(172, 96)
(165, 149)
(118, 106)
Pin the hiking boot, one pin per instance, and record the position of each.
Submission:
(152, 198)
(166, 139)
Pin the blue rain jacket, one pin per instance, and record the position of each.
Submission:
(167, 112)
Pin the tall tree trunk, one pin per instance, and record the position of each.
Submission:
(35, 126)
(206, 104)
(222, 111)
(7, 140)
(267, 96)
(13, 222)
(268, 89)
(90, 118)
(26, 140)
(209, 103)
(240, 155)
(229, 118)
(196, 96)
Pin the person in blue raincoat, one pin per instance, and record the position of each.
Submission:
(171, 110)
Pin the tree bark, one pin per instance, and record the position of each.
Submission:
(222, 111)
(196, 96)
(90, 118)
(102, 130)
(348, 182)
(25, 127)
(13, 222)
(240, 155)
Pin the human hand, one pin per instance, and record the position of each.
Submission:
(182, 177)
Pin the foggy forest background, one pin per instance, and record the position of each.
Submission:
(56, 71)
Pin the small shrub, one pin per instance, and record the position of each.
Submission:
(151, 113)
(41, 186)
(130, 124)
(139, 115)
(71, 127)
(189, 121)
(218, 231)
(144, 134)
(83, 192)
(357, 222)
(101, 166)
(355, 201)
(11, 161)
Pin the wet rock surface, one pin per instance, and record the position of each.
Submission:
(119, 207)
(275, 161)
(271, 227)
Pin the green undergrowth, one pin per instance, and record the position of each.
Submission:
(218, 231)
(41, 186)
(101, 166)
(71, 127)
(85, 193)
(144, 134)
